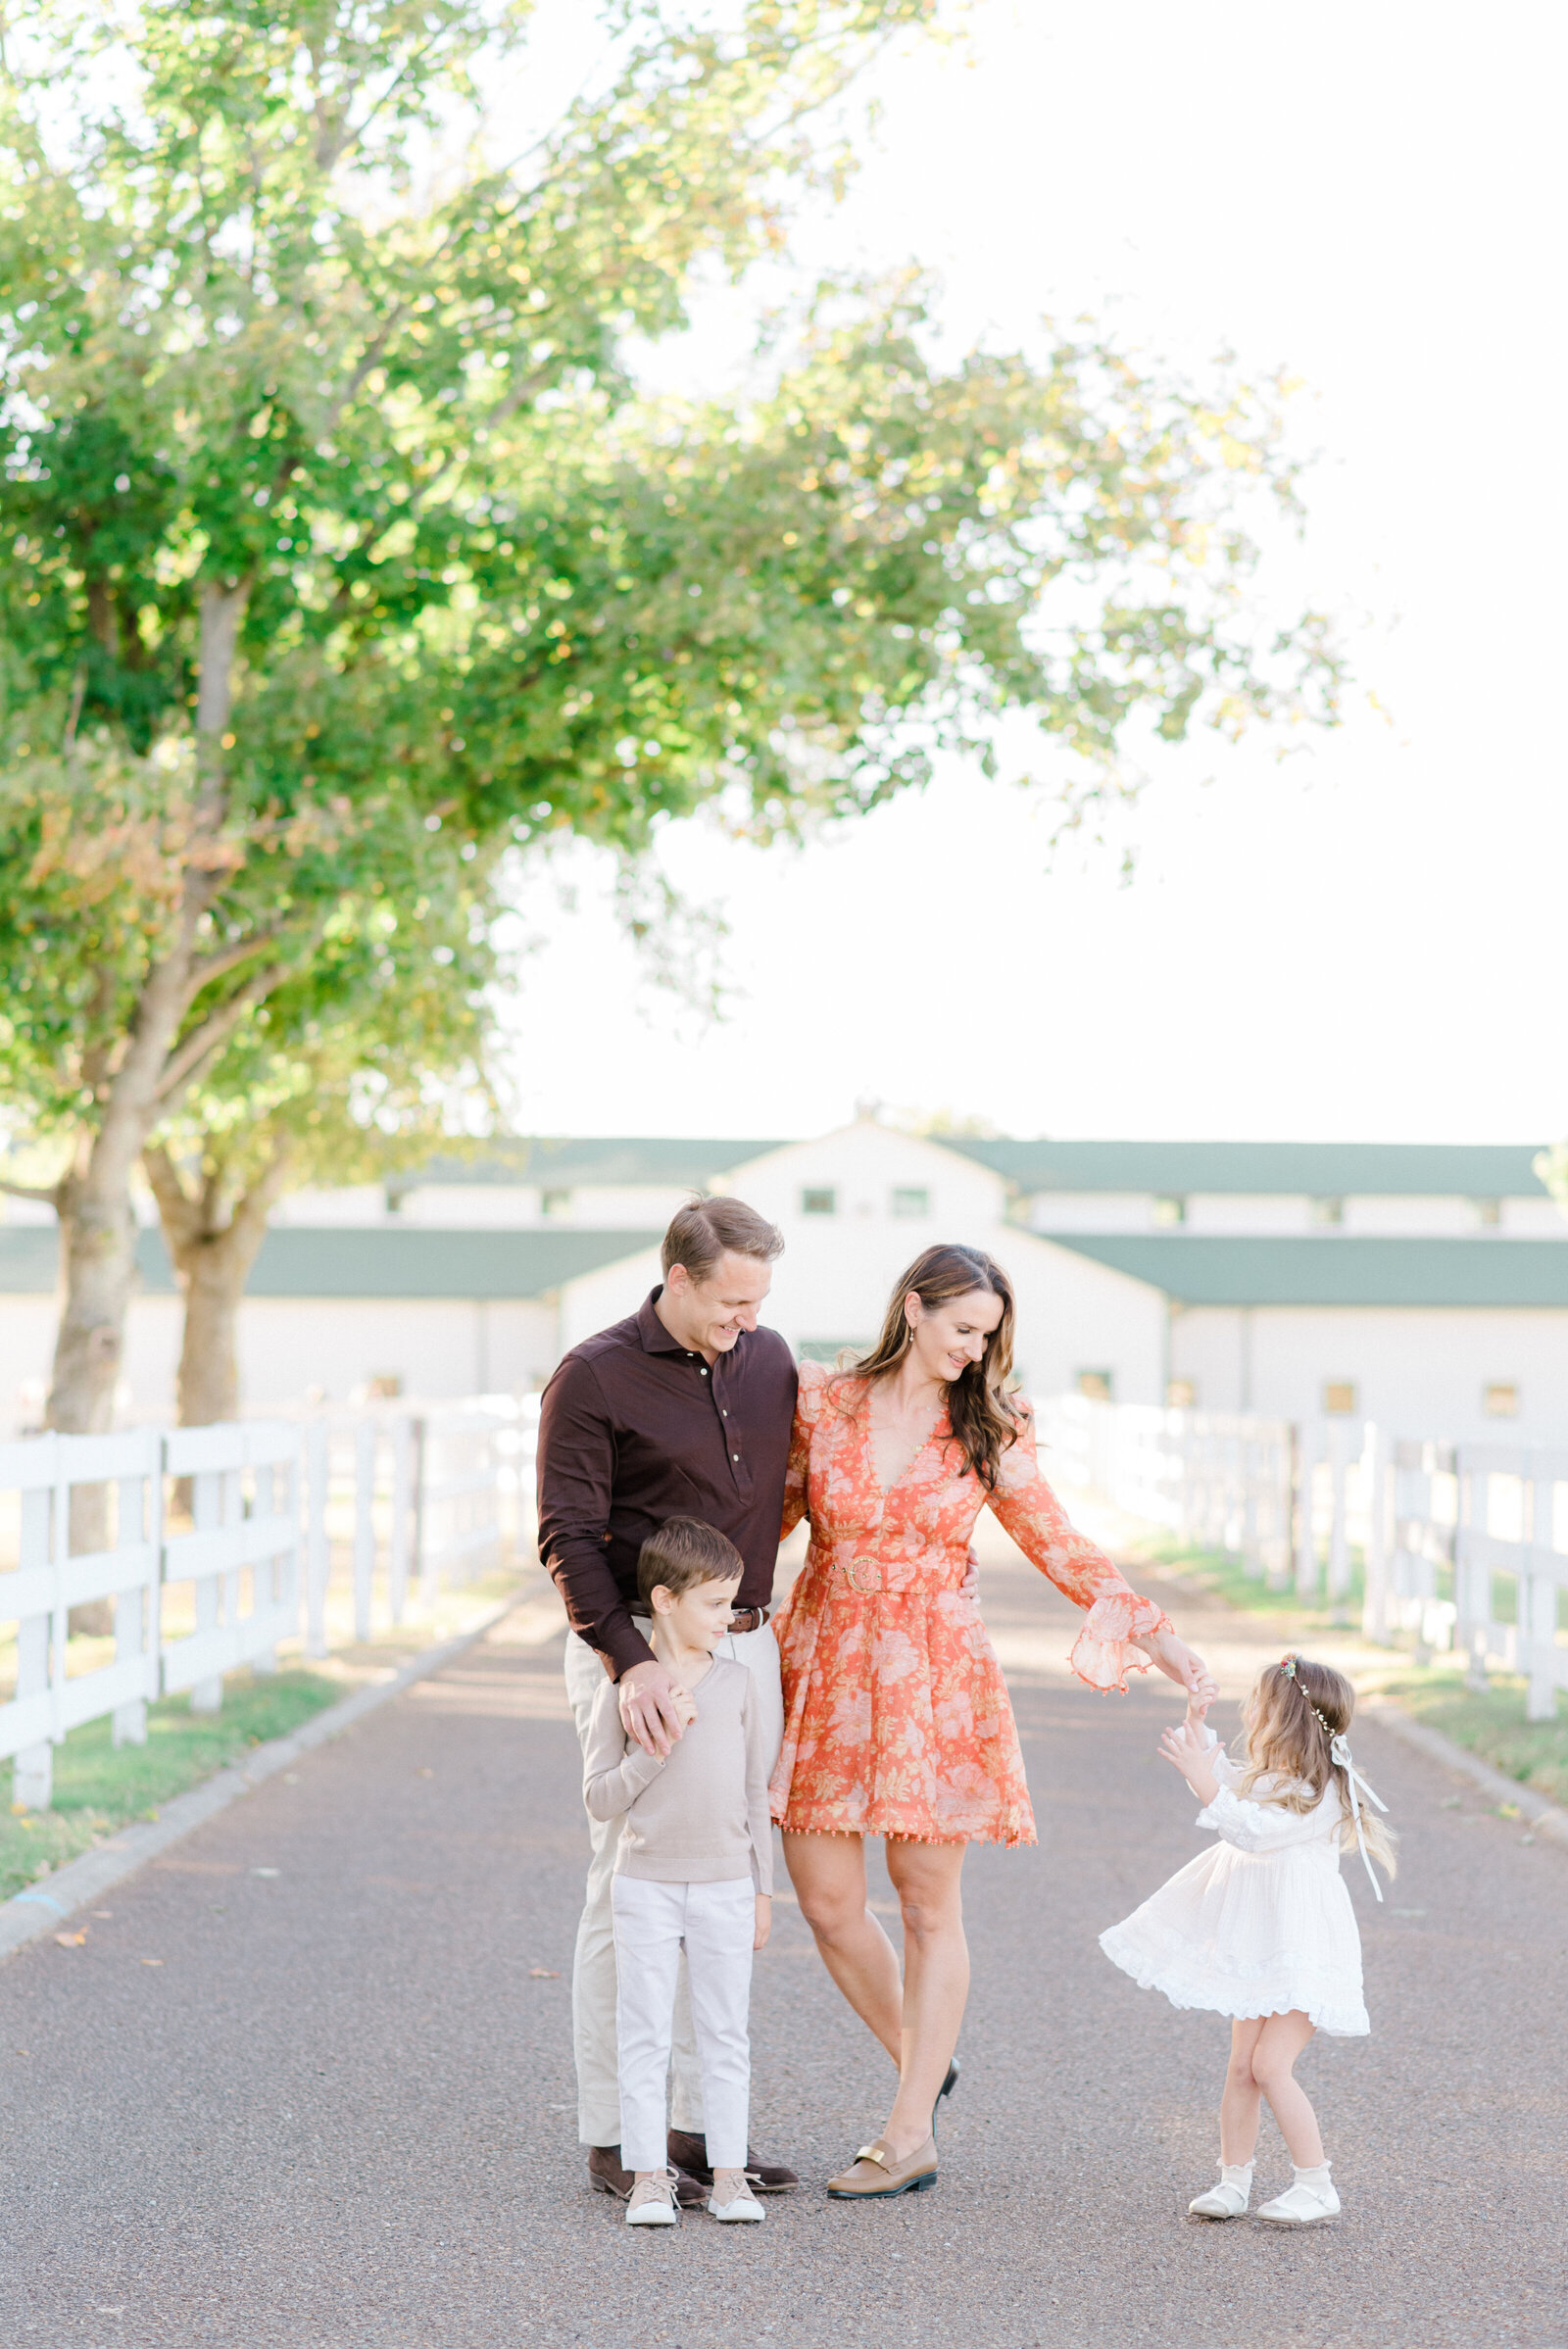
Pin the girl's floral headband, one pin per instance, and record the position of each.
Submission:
(1340, 1756)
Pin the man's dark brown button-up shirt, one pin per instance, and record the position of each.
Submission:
(634, 1429)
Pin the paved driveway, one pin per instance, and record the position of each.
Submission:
(338, 2107)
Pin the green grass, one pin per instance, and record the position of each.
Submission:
(1490, 1724)
(99, 1786)
(1228, 1579)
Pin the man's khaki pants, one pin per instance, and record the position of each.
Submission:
(593, 1975)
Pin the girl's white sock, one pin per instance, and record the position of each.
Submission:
(1314, 2178)
(1234, 2174)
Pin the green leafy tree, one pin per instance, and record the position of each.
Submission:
(335, 537)
(350, 1071)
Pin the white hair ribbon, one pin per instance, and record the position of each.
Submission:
(1340, 1756)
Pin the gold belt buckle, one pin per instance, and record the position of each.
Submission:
(874, 1589)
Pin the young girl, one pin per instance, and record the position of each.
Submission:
(1261, 1927)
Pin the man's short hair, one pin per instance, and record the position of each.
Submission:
(682, 1554)
(702, 1232)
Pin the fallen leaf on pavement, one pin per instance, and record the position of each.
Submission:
(71, 1941)
(264, 1872)
(544, 1974)
(151, 1961)
(105, 1913)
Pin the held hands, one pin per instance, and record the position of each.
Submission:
(1177, 1661)
(1187, 1750)
(764, 1921)
(685, 1706)
(649, 1707)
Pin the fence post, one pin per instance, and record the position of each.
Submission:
(1375, 1597)
(34, 1773)
(364, 1524)
(428, 1560)
(1308, 1446)
(1538, 1605)
(136, 1504)
(209, 1499)
(1338, 1568)
(275, 1479)
(318, 1555)
(401, 1544)
(1472, 1579)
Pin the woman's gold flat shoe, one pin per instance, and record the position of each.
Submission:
(874, 2173)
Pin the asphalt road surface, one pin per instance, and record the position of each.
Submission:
(308, 2085)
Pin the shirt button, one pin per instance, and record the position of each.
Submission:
(703, 1373)
(734, 1456)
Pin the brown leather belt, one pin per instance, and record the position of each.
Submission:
(749, 1619)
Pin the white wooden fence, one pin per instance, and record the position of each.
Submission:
(217, 1544)
(1463, 1545)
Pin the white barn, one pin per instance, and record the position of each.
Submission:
(1423, 1287)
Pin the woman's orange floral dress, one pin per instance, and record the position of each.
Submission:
(895, 1714)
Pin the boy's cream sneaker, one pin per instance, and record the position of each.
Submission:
(1307, 2203)
(744, 2209)
(652, 2201)
(1228, 2199)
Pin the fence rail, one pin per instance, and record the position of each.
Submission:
(215, 1545)
(1463, 1545)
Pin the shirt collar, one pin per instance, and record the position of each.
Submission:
(656, 1339)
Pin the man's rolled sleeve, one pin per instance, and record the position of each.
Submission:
(576, 1472)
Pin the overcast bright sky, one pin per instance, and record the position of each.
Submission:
(1365, 943)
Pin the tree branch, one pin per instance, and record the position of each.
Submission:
(213, 966)
(177, 1211)
(214, 1030)
(48, 1198)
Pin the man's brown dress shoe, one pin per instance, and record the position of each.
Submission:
(688, 2153)
(607, 2176)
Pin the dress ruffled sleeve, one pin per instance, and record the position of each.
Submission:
(1102, 1654)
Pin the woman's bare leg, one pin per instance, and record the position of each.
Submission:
(936, 1982)
(1242, 2099)
(1280, 2043)
(828, 1873)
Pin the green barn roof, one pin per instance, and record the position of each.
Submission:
(1334, 1269)
(364, 1262)
(1317, 1169)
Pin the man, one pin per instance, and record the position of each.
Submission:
(683, 1409)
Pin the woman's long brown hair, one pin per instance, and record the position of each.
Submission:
(985, 1420)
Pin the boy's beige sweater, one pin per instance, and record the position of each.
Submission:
(697, 1816)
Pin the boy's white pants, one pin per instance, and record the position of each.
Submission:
(593, 1973)
(714, 1925)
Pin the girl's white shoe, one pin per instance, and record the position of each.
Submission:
(652, 2201)
(745, 2208)
(1307, 2203)
(1228, 2199)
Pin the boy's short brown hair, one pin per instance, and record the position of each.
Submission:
(683, 1552)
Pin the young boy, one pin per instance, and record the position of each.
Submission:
(694, 1869)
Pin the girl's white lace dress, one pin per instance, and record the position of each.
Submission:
(1260, 1925)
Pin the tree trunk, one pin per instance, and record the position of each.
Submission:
(213, 1245)
(98, 1265)
(134, 1080)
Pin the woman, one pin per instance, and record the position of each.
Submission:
(897, 1720)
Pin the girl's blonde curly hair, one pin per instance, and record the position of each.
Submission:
(1295, 1710)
